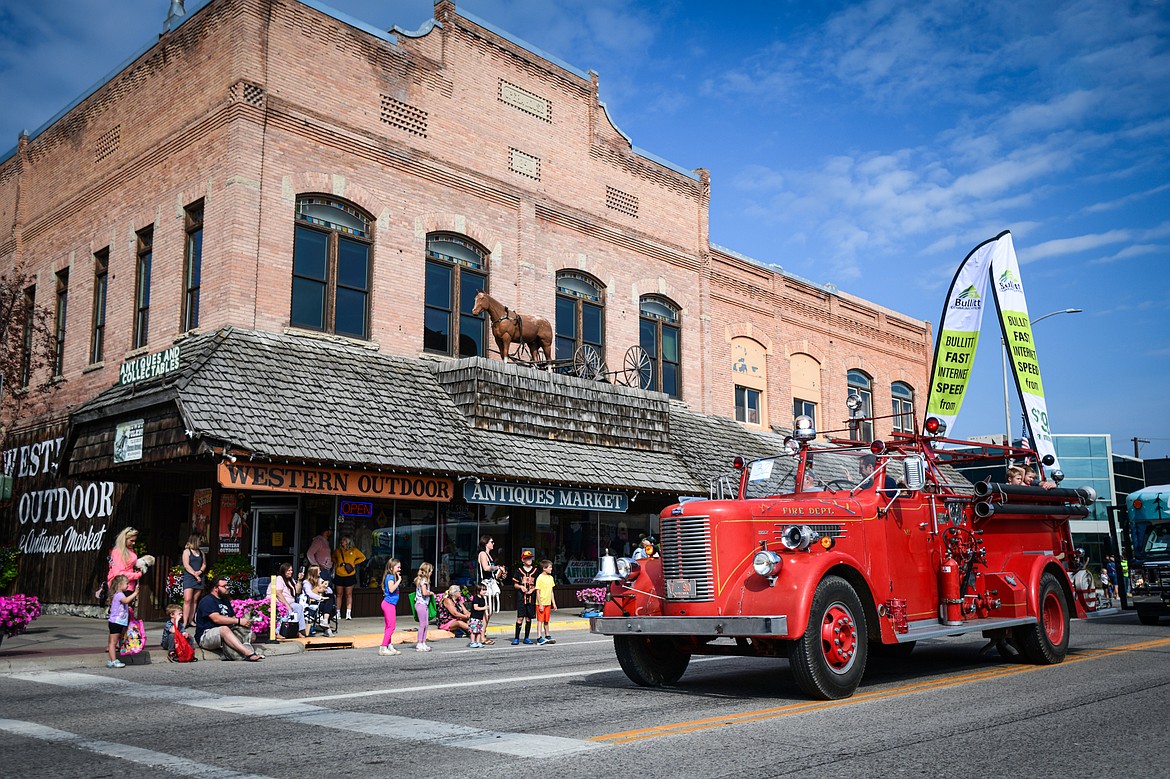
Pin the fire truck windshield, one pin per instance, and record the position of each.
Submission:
(771, 476)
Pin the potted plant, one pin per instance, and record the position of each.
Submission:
(175, 585)
(236, 569)
(256, 609)
(593, 599)
(16, 612)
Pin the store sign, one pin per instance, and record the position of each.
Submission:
(333, 481)
(149, 366)
(356, 508)
(541, 496)
(128, 441)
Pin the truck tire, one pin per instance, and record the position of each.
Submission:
(828, 661)
(651, 661)
(1046, 642)
(1148, 617)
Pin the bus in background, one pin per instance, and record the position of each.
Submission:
(1149, 538)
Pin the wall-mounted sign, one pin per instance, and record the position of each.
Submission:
(333, 481)
(128, 441)
(542, 496)
(149, 366)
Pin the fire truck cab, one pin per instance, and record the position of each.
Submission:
(830, 573)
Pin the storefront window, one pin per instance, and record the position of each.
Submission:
(459, 542)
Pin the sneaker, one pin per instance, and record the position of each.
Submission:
(115, 664)
(527, 641)
(348, 616)
(329, 632)
(516, 642)
(550, 640)
(541, 641)
(387, 651)
(475, 645)
(422, 648)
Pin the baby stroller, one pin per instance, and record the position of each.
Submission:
(320, 616)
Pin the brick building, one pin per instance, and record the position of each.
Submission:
(224, 189)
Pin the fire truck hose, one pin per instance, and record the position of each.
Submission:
(984, 509)
(1018, 493)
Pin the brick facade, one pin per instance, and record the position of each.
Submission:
(250, 103)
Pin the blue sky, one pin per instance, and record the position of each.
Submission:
(866, 144)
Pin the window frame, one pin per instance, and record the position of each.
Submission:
(26, 337)
(334, 232)
(101, 288)
(661, 323)
(802, 407)
(580, 301)
(744, 409)
(861, 383)
(59, 322)
(192, 265)
(902, 405)
(143, 260)
(457, 267)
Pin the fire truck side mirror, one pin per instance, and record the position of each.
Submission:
(914, 469)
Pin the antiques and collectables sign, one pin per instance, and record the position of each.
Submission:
(149, 366)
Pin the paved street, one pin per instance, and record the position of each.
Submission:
(566, 710)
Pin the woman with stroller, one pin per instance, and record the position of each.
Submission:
(315, 595)
(286, 592)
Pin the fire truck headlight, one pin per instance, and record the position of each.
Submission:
(767, 564)
(628, 568)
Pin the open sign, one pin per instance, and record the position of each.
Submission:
(357, 508)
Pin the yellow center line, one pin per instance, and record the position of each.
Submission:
(759, 715)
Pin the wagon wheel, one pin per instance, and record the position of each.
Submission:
(587, 363)
(639, 370)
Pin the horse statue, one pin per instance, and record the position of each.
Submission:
(510, 327)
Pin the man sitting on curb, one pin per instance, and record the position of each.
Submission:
(215, 621)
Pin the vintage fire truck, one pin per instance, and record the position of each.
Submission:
(830, 574)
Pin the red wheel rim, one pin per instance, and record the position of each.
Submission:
(839, 638)
(1053, 616)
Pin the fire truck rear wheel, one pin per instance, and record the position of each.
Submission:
(651, 661)
(828, 661)
(1046, 642)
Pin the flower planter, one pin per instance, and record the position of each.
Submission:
(16, 612)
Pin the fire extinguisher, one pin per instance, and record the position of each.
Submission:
(950, 601)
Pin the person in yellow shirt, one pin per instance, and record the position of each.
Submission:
(546, 601)
(346, 559)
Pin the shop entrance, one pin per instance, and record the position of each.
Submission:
(274, 539)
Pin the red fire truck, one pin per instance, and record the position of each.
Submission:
(829, 574)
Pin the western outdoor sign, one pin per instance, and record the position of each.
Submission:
(333, 481)
(541, 496)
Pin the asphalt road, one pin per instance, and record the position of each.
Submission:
(568, 711)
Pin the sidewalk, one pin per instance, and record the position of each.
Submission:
(57, 641)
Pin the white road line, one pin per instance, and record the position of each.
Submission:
(525, 745)
(452, 685)
(146, 757)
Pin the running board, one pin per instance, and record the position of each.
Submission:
(1110, 612)
(932, 629)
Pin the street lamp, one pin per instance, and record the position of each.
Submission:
(1007, 409)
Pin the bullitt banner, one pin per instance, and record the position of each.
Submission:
(958, 335)
(1017, 335)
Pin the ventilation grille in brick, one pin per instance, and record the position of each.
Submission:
(524, 164)
(108, 143)
(253, 94)
(404, 116)
(621, 201)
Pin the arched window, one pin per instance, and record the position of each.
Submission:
(805, 373)
(455, 273)
(903, 406)
(659, 335)
(861, 384)
(580, 314)
(331, 268)
(749, 373)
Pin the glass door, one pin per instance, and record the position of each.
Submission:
(273, 539)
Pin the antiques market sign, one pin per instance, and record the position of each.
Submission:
(542, 496)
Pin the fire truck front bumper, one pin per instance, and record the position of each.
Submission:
(776, 626)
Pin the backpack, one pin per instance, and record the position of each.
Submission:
(183, 652)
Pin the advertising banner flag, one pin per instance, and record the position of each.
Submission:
(1008, 288)
(958, 334)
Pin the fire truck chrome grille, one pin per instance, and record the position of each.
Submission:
(832, 531)
(685, 544)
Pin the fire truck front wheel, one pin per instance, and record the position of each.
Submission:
(651, 661)
(1046, 642)
(829, 659)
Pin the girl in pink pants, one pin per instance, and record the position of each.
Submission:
(391, 579)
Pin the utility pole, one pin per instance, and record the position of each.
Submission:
(1137, 441)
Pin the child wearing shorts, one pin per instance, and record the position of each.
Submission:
(546, 601)
(475, 625)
